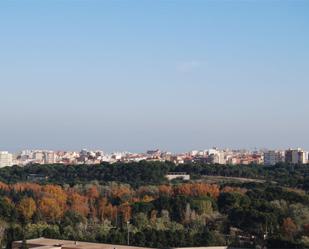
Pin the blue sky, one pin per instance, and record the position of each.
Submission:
(137, 75)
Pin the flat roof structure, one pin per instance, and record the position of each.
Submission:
(44, 243)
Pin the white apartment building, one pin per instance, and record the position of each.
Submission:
(6, 159)
(217, 157)
(49, 157)
(304, 157)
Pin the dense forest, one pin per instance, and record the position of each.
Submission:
(145, 173)
(105, 203)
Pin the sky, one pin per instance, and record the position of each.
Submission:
(135, 75)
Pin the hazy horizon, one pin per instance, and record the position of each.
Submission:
(138, 75)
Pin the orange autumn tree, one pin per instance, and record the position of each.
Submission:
(183, 189)
(26, 186)
(26, 207)
(165, 190)
(92, 195)
(202, 189)
(124, 193)
(50, 209)
(78, 203)
(126, 211)
(4, 186)
(228, 189)
(56, 193)
(289, 228)
(106, 210)
(53, 202)
(93, 192)
(197, 189)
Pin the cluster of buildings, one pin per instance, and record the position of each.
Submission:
(211, 156)
(291, 156)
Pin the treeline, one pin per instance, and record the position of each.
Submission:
(185, 214)
(135, 174)
(145, 173)
(96, 202)
(284, 174)
(159, 216)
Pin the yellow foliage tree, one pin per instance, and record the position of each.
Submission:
(26, 207)
(50, 209)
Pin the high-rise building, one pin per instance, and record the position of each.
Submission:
(6, 159)
(272, 157)
(217, 157)
(49, 157)
(303, 157)
(296, 156)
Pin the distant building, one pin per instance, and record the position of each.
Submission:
(178, 175)
(38, 157)
(194, 152)
(6, 159)
(273, 157)
(37, 178)
(153, 152)
(296, 156)
(49, 157)
(216, 157)
(177, 159)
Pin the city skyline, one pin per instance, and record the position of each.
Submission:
(253, 149)
(209, 156)
(174, 75)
